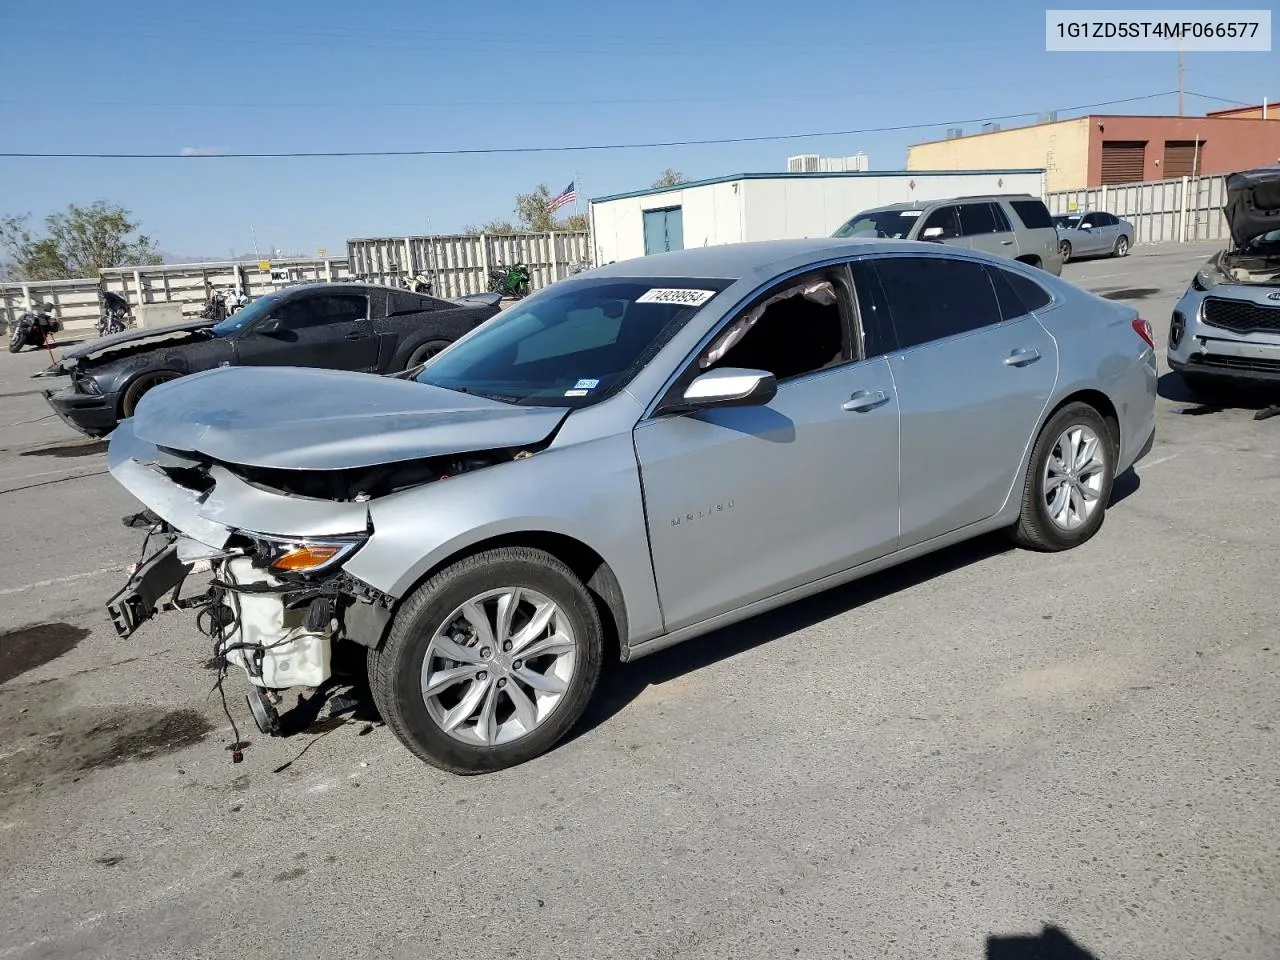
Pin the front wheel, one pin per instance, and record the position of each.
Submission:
(1069, 479)
(134, 393)
(1122, 247)
(490, 662)
(1065, 250)
(17, 339)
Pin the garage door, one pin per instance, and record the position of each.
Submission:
(1180, 156)
(1122, 160)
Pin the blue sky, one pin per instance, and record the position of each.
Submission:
(150, 76)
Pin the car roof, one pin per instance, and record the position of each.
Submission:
(924, 204)
(340, 286)
(733, 261)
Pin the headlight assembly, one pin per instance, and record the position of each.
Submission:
(1208, 277)
(305, 556)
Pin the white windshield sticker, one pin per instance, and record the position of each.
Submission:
(586, 384)
(575, 393)
(688, 298)
(910, 213)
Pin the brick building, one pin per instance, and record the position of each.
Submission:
(1093, 150)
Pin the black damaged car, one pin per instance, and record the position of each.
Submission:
(337, 326)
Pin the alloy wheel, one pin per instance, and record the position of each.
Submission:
(498, 666)
(1073, 477)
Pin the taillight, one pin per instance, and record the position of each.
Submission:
(1143, 329)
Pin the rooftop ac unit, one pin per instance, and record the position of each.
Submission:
(804, 163)
(954, 132)
(990, 127)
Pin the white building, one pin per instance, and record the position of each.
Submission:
(773, 206)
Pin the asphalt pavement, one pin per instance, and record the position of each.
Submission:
(987, 753)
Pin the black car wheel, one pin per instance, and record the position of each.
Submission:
(1069, 479)
(136, 390)
(425, 352)
(490, 662)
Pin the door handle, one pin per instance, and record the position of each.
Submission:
(864, 400)
(1022, 356)
(356, 336)
(1006, 243)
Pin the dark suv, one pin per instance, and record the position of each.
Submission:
(1017, 226)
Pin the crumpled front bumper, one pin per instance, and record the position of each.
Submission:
(90, 414)
(266, 626)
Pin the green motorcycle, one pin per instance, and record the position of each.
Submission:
(511, 282)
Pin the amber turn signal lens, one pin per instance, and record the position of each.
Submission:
(309, 557)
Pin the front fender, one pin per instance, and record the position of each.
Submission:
(588, 491)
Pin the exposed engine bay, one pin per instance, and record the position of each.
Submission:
(1251, 267)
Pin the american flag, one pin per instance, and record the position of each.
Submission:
(567, 195)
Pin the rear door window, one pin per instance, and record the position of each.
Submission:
(1033, 214)
(1017, 295)
(932, 298)
(977, 219)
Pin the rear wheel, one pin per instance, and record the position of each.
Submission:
(490, 662)
(1069, 479)
(140, 387)
(1122, 247)
(425, 352)
(1065, 249)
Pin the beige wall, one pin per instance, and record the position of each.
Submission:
(1061, 148)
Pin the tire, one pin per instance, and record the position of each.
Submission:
(1037, 528)
(1121, 247)
(1065, 249)
(396, 669)
(425, 352)
(17, 340)
(135, 391)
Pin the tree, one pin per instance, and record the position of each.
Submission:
(670, 178)
(78, 243)
(532, 216)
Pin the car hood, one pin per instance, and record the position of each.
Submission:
(294, 418)
(101, 346)
(1253, 203)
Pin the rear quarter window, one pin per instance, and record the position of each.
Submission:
(1017, 295)
(1033, 214)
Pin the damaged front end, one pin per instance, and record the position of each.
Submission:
(274, 543)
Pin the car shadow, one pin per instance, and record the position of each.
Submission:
(621, 683)
(1124, 487)
(1173, 388)
(1052, 943)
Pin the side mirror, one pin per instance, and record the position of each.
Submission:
(1086, 225)
(931, 233)
(269, 327)
(726, 387)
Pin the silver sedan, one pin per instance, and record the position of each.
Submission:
(1093, 234)
(622, 461)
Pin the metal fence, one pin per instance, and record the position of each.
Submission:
(460, 264)
(1185, 210)
(75, 302)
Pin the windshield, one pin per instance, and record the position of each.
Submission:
(891, 224)
(1067, 222)
(247, 314)
(571, 346)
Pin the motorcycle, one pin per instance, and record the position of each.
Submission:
(115, 319)
(32, 329)
(510, 281)
(419, 283)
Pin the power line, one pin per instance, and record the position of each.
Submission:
(401, 104)
(577, 148)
